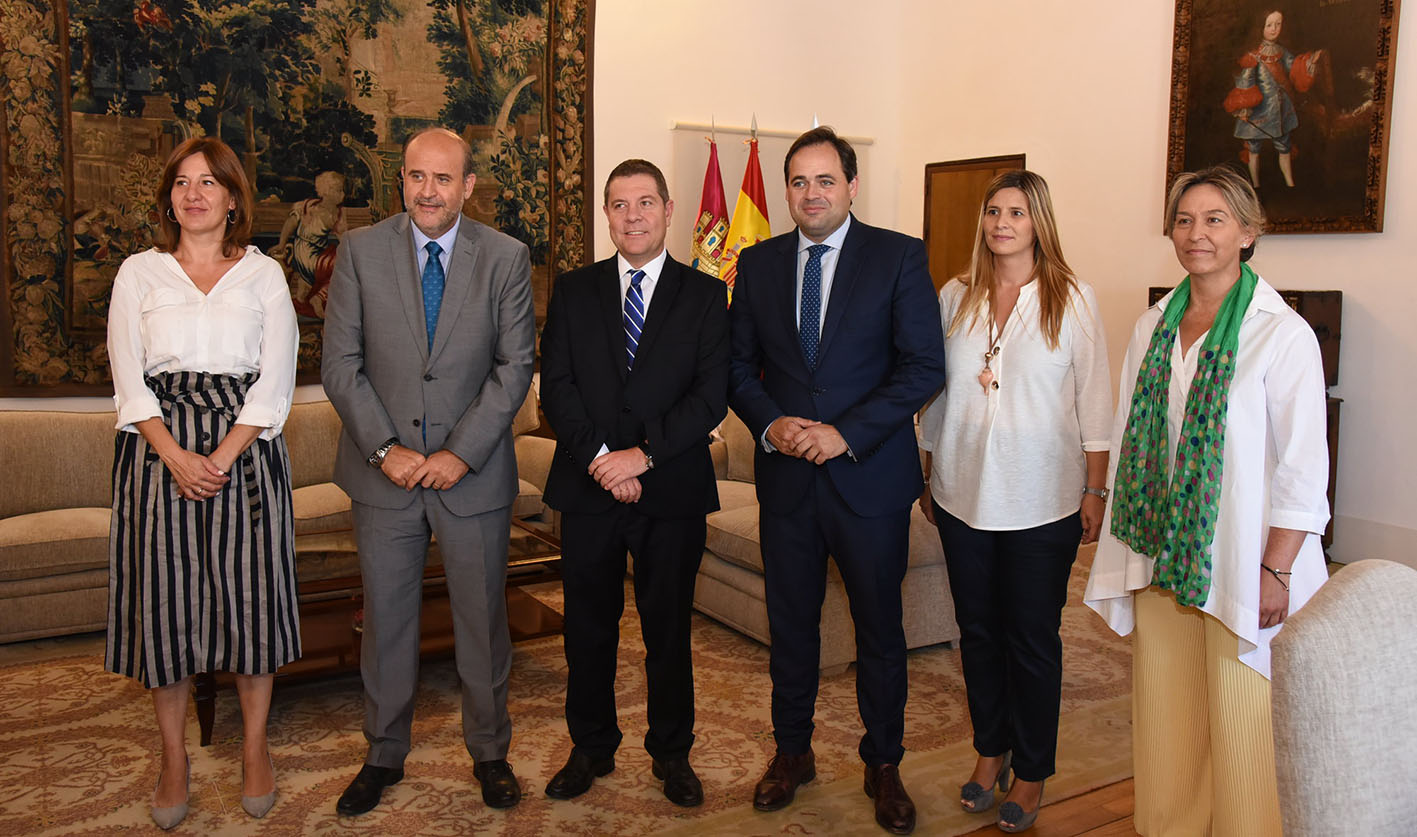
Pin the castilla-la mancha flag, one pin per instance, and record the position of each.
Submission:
(706, 251)
(750, 218)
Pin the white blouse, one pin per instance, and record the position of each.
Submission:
(159, 322)
(1012, 457)
(1275, 472)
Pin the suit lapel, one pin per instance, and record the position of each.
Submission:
(665, 289)
(612, 313)
(456, 284)
(848, 269)
(410, 285)
(787, 290)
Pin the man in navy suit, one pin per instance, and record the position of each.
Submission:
(634, 377)
(836, 343)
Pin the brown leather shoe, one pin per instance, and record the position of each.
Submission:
(894, 810)
(779, 784)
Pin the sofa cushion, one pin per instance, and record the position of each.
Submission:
(740, 447)
(733, 536)
(322, 507)
(52, 542)
(528, 502)
(733, 494)
(36, 478)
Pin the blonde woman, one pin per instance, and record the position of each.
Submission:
(1212, 538)
(1017, 457)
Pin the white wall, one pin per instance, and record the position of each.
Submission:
(1081, 88)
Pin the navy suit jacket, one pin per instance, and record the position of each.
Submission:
(880, 358)
(671, 401)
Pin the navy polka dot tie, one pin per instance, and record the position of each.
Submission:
(433, 280)
(809, 323)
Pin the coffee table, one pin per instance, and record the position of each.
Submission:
(332, 608)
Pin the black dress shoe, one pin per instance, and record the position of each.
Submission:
(895, 812)
(363, 793)
(681, 786)
(574, 779)
(499, 785)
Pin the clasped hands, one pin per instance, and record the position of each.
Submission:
(618, 472)
(197, 476)
(806, 439)
(406, 467)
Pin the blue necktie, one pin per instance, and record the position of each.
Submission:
(634, 317)
(432, 289)
(809, 322)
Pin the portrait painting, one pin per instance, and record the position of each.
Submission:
(1297, 96)
(315, 96)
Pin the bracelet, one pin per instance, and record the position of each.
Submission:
(1278, 575)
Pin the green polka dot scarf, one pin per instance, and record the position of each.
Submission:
(1175, 523)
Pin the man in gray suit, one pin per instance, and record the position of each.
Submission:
(428, 354)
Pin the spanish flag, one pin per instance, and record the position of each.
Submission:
(750, 218)
(706, 252)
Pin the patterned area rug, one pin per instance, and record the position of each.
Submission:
(77, 747)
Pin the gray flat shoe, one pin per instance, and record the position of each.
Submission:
(168, 818)
(259, 806)
(976, 799)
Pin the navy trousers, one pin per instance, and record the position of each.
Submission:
(1009, 588)
(871, 554)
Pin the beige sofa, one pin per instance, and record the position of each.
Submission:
(56, 502)
(730, 581)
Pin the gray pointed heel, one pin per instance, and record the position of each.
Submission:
(259, 806)
(167, 818)
(976, 799)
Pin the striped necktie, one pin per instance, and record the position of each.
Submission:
(634, 317)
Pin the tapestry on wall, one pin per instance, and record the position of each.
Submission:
(316, 96)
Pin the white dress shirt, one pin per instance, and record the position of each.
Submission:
(1012, 458)
(445, 241)
(1275, 472)
(159, 322)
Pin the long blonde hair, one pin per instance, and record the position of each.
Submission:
(1056, 281)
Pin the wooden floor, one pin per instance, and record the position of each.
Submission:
(1105, 812)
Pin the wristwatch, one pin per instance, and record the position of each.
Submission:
(376, 459)
(649, 457)
(1097, 492)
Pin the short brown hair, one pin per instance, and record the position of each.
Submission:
(1234, 187)
(634, 166)
(824, 136)
(226, 168)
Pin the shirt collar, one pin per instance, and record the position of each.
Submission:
(445, 241)
(834, 241)
(652, 268)
(1266, 299)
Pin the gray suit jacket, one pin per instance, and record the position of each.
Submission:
(385, 383)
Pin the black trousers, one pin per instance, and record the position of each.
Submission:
(871, 553)
(1009, 589)
(667, 552)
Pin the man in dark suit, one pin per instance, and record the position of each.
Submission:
(836, 344)
(634, 377)
(429, 339)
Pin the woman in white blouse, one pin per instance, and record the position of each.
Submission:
(202, 341)
(1212, 537)
(1017, 454)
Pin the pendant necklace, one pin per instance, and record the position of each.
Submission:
(986, 375)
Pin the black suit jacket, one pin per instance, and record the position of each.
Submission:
(676, 394)
(880, 359)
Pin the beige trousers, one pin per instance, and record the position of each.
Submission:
(1202, 743)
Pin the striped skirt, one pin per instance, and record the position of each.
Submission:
(200, 585)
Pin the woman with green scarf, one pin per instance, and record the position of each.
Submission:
(1212, 535)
